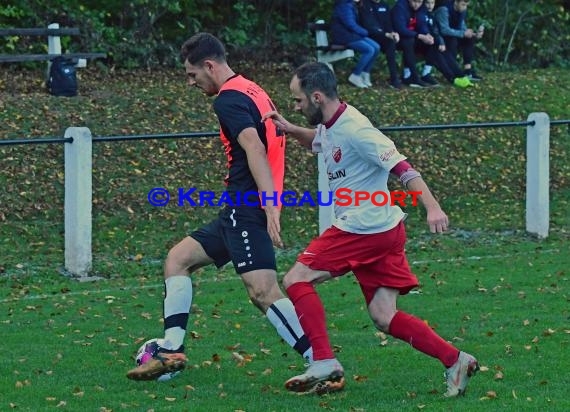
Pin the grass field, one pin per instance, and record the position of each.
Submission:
(486, 285)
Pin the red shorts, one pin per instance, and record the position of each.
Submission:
(377, 259)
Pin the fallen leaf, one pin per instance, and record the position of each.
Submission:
(360, 378)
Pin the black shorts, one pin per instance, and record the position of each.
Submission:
(238, 234)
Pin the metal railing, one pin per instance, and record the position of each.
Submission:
(78, 178)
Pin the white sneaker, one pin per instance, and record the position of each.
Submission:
(457, 376)
(322, 376)
(366, 79)
(356, 80)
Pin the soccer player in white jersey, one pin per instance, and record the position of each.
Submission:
(366, 239)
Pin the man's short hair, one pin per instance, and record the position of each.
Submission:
(202, 46)
(317, 76)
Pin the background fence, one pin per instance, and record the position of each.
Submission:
(78, 179)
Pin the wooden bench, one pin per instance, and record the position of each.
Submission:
(328, 53)
(53, 33)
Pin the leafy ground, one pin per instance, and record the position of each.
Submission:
(504, 293)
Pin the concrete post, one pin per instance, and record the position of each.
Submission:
(54, 45)
(78, 201)
(325, 212)
(538, 175)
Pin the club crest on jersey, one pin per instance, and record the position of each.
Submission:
(336, 154)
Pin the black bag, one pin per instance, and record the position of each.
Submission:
(62, 79)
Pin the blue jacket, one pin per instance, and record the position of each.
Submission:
(344, 23)
(403, 16)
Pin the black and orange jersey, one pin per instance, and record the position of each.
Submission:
(240, 104)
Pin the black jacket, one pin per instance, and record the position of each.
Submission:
(375, 16)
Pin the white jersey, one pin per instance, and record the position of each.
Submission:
(358, 157)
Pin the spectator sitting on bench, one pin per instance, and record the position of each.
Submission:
(409, 20)
(439, 57)
(346, 31)
(374, 16)
(451, 21)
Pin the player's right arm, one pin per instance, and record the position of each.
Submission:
(258, 164)
(303, 135)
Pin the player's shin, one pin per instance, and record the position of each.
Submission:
(177, 305)
(283, 317)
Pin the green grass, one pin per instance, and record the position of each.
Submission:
(72, 342)
(486, 285)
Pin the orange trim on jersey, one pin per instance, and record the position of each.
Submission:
(275, 139)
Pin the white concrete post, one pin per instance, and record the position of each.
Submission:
(77, 205)
(54, 42)
(54, 45)
(538, 174)
(325, 212)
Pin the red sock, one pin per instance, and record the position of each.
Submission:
(311, 315)
(423, 338)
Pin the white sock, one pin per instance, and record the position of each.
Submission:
(282, 315)
(427, 70)
(407, 72)
(176, 309)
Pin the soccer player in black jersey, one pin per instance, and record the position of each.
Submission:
(245, 231)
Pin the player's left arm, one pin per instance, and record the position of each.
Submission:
(413, 182)
(258, 164)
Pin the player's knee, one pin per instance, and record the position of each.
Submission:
(287, 281)
(174, 264)
(292, 277)
(263, 292)
(261, 299)
(381, 315)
